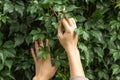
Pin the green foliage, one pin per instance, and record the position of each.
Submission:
(24, 21)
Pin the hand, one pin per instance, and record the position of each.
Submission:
(69, 38)
(44, 68)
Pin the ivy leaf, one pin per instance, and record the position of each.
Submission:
(99, 51)
(85, 35)
(58, 7)
(79, 30)
(103, 74)
(9, 53)
(97, 15)
(87, 53)
(1, 78)
(19, 40)
(14, 28)
(20, 7)
(2, 57)
(40, 54)
(80, 18)
(116, 55)
(83, 47)
(71, 8)
(45, 54)
(38, 36)
(8, 44)
(115, 68)
(57, 63)
(115, 24)
(98, 35)
(9, 63)
(34, 32)
(8, 7)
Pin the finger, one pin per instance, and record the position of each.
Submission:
(69, 21)
(60, 30)
(65, 24)
(47, 45)
(41, 43)
(36, 47)
(73, 22)
(54, 69)
(33, 55)
(47, 42)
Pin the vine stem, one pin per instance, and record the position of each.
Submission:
(54, 12)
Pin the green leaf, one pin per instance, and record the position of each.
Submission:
(80, 18)
(38, 36)
(20, 7)
(19, 40)
(97, 15)
(58, 1)
(99, 51)
(116, 55)
(9, 53)
(9, 63)
(58, 7)
(8, 7)
(1, 78)
(85, 35)
(87, 53)
(25, 65)
(113, 37)
(45, 54)
(115, 24)
(8, 44)
(34, 32)
(56, 62)
(115, 68)
(98, 35)
(103, 74)
(14, 27)
(79, 30)
(83, 47)
(71, 8)
(40, 54)
(119, 37)
(2, 57)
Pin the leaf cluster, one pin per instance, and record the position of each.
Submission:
(24, 21)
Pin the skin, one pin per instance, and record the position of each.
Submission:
(44, 68)
(69, 40)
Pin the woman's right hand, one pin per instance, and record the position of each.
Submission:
(69, 38)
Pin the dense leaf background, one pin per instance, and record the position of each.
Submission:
(24, 21)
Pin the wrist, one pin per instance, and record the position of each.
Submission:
(71, 49)
(40, 78)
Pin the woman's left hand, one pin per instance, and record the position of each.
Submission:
(44, 68)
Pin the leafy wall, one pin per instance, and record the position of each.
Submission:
(24, 21)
